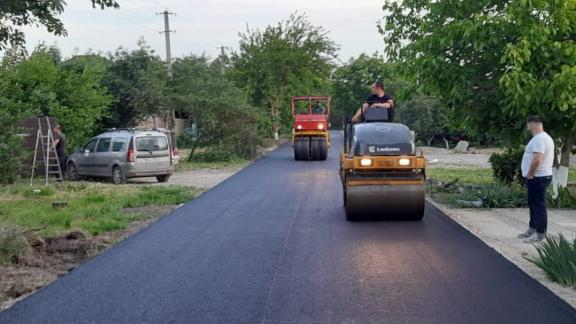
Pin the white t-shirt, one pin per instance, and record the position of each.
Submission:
(541, 143)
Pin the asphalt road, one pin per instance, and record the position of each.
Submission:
(271, 245)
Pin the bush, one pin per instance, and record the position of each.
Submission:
(496, 196)
(558, 259)
(13, 152)
(225, 153)
(12, 155)
(184, 141)
(506, 165)
(565, 199)
(12, 243)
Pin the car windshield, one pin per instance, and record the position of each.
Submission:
(151, 143)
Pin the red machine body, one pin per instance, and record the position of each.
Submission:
(310, 135)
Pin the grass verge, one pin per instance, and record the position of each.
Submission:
(92, 207)
(464, 175)
(463, 187)
(185, 165)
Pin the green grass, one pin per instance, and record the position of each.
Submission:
(478, 183)
(92, 207)
(474, 175)
(184, 165)
(464, 175)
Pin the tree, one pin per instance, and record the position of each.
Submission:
(492, 62)
(291, 58)
(351, 83)
(15, 14)
(540, 74)
(137, 80)
(426, 116)
(227, 124)
(83, 101)
(12, 151)
(40, 85)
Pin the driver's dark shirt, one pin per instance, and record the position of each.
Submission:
(375, 99)
(385, 98)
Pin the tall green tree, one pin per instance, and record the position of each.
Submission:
(227, 125)
(492, 62)
(351, 83)
(540, 74)
(12, 111)
(40, 85)
(15, 14)
(292, 58)
(137, 80)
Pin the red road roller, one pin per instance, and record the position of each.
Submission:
(310, 137)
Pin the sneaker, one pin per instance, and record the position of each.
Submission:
(536, 238)
(526, 234)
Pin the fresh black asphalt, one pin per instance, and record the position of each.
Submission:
(271, 245)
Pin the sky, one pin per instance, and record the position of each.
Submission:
(203, 26)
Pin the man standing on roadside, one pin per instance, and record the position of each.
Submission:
(537, 171)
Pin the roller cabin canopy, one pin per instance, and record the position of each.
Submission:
(377, 138)
(311, 101)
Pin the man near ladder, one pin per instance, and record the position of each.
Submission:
(60, 145)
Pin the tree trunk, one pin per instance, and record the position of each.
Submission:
(193, 150)
(567, 150)
(275, 112)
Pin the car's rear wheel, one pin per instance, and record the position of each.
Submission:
(72, 173)
(163, 178)
(118, 175)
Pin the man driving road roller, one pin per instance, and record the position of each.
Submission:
(382, 175)
(378, 99)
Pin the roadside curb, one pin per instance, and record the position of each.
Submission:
(567, 294)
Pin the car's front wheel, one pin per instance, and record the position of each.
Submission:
(118, 175)
(72, 173)
(163, 178)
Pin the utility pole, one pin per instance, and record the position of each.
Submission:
(167, 33)
(222, 56)
(171, 118)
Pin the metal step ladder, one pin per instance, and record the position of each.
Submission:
(45, 155)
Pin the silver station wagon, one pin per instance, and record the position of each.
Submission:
(120, 154)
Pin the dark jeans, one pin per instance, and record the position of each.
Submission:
(62, 160)
(537, 202)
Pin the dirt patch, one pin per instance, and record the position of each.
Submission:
(448, 158)
(51, 257)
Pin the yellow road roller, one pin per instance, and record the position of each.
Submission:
(382, 176)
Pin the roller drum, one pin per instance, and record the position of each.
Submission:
(385, 202)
